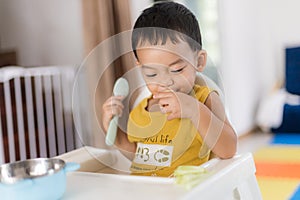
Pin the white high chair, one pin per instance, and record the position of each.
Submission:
(107, 171)
(228, 179)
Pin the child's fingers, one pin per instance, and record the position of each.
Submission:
(114, 98)
(161, 95)
(165, 102)
(119, 97)
(116, 111)
(113, 109)
(165, 107)
(170, 111)
(116, 103)
(166, 98)
(112, 106)
(113, 101)
(170, 117)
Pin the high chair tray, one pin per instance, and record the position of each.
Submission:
(86, 185)
(228, 179)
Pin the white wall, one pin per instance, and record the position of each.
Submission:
(136, 8)
(47, 32)
(254, 34)
(43, 32)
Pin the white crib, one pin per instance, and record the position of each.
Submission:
(36, 112)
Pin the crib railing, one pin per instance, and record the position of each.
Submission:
(36, 112)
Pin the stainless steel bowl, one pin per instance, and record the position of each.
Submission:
(33, 168)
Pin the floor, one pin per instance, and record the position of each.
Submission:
(253, 141)
(278, 172)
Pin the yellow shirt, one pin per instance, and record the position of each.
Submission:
(164, 145)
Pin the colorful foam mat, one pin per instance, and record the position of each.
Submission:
(286, 138)
(278, 168)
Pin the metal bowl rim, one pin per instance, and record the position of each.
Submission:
(33, 160)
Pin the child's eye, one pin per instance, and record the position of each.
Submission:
(177, 70)
(150, 75)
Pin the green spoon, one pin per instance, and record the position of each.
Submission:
(121, 88)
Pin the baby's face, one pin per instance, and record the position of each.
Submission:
(169, 67)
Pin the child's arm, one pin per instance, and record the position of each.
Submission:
(216, 129)
(125, 147)
(111, 107)
(210, 119)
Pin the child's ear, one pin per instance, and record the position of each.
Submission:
(201, 60)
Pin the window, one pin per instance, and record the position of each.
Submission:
(206, 11)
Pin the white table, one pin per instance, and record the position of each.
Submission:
(229, 179)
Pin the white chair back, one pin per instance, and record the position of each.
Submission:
(36, 112)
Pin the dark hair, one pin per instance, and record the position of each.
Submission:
(166, 20)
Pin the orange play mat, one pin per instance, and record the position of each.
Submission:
(278, 171)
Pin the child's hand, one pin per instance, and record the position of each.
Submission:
(177, 104)
(111, 107)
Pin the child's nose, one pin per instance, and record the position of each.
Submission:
(167, 81)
